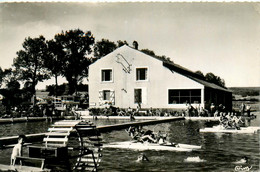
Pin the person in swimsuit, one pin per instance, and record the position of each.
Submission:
(17, 150)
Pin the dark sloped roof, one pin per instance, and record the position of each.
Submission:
(188, 73)
(181, 70)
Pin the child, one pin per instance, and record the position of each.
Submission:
(17, 150)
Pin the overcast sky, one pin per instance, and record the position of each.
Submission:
(222, 38)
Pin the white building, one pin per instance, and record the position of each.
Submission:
(127, 77)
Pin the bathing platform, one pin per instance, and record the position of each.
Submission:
(151, 118)
(7, 142)
(27, 119)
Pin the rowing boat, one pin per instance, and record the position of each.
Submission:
(152, 146)
(221, 129)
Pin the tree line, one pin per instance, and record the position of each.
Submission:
(67, 54)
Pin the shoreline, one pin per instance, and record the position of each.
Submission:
(87, 117)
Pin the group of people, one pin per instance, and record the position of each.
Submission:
(201, 111)
(141, 135)
(230, 120)
(245, 108)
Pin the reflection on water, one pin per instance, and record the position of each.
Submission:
(219, 151)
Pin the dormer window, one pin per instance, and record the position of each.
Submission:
(141, 74)
(106, 75)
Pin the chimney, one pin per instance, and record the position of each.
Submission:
(135, 44)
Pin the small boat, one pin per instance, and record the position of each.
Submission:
(152, 146)
(221, 129)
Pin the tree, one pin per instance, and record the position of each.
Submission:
(148, 52)
(215, 79)
(151, 53)
(10, 79)
(121, 43)
(54, 60)
(200, 73)
(103, 47)
(76, 45)
(12, 93)
(164, 58)
(1, 76)
(29, 62)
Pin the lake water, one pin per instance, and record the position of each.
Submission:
(219, 151)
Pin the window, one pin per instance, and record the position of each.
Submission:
(106, 75)
(184, 96)
(141, 74)
(106, 94)
(138, 95)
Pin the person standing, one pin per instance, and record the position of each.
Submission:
(248, 110)
(242, 109)
(17, 150)
(212, 109)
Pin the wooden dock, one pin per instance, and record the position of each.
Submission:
(27, 119)
(20, 168)
(7, 142)
(108, 128)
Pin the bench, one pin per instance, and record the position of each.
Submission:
(23, 158)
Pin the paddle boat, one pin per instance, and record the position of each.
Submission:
(222, 129)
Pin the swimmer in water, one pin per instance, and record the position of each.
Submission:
(242, 161)
(142, 157)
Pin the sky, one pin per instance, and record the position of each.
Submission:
(222, 38)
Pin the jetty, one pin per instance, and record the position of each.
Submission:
(27, 119)
(193, 118)
(7, 142)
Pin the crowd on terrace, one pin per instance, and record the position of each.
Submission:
(190, 111)
(69, 110)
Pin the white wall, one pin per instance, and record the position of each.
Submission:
(160, 79)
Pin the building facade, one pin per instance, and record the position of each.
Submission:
(127, 78)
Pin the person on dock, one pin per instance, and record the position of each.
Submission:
(236, 122)
(161, 138)
(148, 136)
(18, 149)
(242, 109)
(212, 109)
(248, 110)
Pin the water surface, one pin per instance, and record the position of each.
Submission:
(219, 151)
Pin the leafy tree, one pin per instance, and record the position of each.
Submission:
(103, 47)
(200, 73)
(12, 93)
(76, 45)
(29, 62)
(215, 79)
(11, 80)
(164, 58)
(1, 76)
(148, 52)
(151, 53)
(54, 61)
(56, 90)
(121, 43)
(8, 76)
